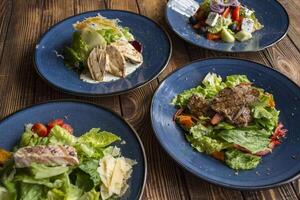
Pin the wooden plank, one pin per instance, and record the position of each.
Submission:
(163, 180)
(5, 16)
(53, 12)
(197, 189)
(16, 63)
(293, 7)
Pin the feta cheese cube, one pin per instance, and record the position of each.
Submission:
(212, 19)
(248, 12)
(248, 25)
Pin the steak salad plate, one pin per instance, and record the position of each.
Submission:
(103, 52)
(231, 122)
(228, 26)
(48, 152)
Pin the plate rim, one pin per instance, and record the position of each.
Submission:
(141, 192)
(184, 166)
(227, 51)
(89, 94)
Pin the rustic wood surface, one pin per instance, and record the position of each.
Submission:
(23, 22)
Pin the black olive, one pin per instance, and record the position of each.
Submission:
(233, 27)
(193, 20)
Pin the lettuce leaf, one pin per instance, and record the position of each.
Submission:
(234, 80)
(251, 139)
(91, 195)
(31, 192)
(4, 193)
(30, 138)
(203, 140)
(59, 135)
(97, 138)
(236, 159)
(7, 180)
(41, 171)
(212, 84)
(56, 183)
(55, 194)
(90, 167)
(76, 55)
(83, 180)
(92, 143)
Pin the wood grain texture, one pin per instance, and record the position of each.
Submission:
(53, 12)
(16, 64)
(135, 108)
(293, 7)
(23, 22)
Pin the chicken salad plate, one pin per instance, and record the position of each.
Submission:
(231, 122)
(59, 156)
(228, 25)
(102, 52)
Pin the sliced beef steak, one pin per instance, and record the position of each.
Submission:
(234, 103)
(198, 106)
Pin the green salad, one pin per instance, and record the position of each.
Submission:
(226, 20)
(50, 163)
(101, 49)
(230, 119)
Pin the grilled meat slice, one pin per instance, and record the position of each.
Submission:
(96, 63)
(116, 61)
(128, 51)
(233, 103)
(198, 106)
(55, 155)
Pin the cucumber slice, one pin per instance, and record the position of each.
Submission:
(227, 36)
(243, 36)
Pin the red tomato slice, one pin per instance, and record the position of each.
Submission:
(40, 129)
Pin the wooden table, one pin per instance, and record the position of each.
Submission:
(22, 22)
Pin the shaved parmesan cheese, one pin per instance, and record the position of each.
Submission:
(114, 173)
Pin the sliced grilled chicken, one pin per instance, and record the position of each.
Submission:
(128, 51)
(96, 63)
(56, 155)
(116, 61)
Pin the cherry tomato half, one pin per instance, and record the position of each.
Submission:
(40, 129)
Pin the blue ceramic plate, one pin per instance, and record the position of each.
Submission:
(12, 127)
(156, 54)
(275, 169)
(269, 12)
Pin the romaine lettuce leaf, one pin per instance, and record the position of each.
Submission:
(91, 195)
(181, 99)
(76, 55)
(56, 183)
(234, 80)
(30, 138)
(97, 138)
(59, 135)
(4, 193)
(31, 192)
(236, 159)
(92, 143)
(83, 180)
(55, 194)
(212, 84)
(201, 138)
(90, 167)
(127, 34)
(251, 139)
(41, 171)
(7, 180)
